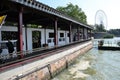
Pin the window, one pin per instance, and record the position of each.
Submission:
(12, 35)
(60, 39)
(61, 34)
(49, 40)
(51, 35)
(68, 34)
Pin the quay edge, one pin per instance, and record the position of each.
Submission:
(48, 67)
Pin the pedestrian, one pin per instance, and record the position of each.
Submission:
(0, 50)
(10, 46)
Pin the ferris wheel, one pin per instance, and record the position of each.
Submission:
(101, 18)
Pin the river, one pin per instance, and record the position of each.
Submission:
(93, 65)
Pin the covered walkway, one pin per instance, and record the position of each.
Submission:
(35, 28)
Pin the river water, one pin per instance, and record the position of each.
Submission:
(94, 65)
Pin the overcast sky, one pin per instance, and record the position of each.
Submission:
(111, 9)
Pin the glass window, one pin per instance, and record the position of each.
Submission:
(49, 40)
(12, 35)
(60, 39)
(61, 34)
(51, 35)
(68, 34)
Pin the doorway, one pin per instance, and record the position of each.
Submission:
(36, 39)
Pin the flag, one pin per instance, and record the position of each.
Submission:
(2, 18)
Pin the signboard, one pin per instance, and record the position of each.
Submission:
(2, 19)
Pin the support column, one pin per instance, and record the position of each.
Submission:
(26, 37)
(90, 33)
(70, 32)
(78, 33)
(55, 34)
(45, 34)
(87, 33)
(46, 44)
(83, 34)
(20, 36)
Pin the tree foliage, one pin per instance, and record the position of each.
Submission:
(116, 32)
(108, 36)
(73, 11)
(99, 28)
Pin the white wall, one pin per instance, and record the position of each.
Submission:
(13, 28)
(29, 36)
(61, 42)
(85, 32)
(74, 31)
(47, 37)
(24, 39)
(66, 37)
(10, 28)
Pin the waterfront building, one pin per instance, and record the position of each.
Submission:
(33, 26)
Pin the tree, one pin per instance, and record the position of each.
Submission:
(73, 11)
(116, 32)
(99, 28)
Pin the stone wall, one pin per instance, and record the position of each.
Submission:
(53, 68)
(40, 74)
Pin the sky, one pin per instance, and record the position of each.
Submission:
(107, 11)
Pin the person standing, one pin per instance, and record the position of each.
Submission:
(0, 50)
(10, 46)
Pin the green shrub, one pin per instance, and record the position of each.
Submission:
(108, 36)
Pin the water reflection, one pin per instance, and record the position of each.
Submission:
(94, 65)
